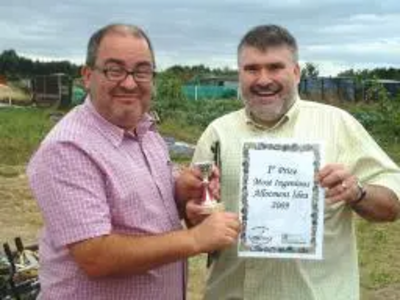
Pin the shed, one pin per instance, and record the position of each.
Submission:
(54, 89)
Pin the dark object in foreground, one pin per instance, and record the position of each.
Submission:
(19, 272)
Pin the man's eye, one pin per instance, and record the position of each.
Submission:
(115, 72)
(143, 73)
(275, 67)
(251, 70)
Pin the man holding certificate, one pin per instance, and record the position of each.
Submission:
(295, 171)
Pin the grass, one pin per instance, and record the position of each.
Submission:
(21, 130)
(180, 131)
(197, 276)
(378, 244)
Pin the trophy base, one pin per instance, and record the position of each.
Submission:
(211, 207)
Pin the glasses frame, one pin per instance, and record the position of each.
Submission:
(134, 73)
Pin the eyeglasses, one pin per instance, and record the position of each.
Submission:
(118, 74)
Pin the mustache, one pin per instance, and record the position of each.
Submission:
(124, 91)
(270, 87)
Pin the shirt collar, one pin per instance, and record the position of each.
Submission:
(289, 115)
(114, 133)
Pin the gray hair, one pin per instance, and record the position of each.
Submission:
(124, 29)
(265, 36)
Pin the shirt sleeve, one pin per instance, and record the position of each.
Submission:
(203, 151)
(366, 158)
(70, 190)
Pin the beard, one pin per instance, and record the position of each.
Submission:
(269, 112)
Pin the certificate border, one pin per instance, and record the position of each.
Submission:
(292, 147)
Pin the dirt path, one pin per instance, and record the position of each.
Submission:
(391, 292)
(19, 214)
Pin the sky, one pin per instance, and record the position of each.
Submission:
(336, 35)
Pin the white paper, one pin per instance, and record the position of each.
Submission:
(281, 203)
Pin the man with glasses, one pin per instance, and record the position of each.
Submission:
(103, 180)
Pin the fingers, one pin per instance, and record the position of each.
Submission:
(215, 188)
(188, 184)
(339, 183)
(332, 175)
(346, 191)
(214, 185)
(227, 228)
(193, 171)
(234, 229)
(193, 177)
(231, 236)
(194, 212)
(215, 173)
(217, 231)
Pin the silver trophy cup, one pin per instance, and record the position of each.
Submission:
(208, 202)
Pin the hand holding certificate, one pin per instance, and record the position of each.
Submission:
(282, 204)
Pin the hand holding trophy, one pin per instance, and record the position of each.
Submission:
(208, 203)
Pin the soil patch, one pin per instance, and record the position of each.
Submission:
(19, 214)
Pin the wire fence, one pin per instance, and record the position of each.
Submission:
(325, 89)
(344, 89)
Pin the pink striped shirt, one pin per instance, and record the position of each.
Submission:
(92, 178)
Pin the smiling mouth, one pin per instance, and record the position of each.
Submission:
(126, 99)
(266, 91)
(126, 96)
(265, 94)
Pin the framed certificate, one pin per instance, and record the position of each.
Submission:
(282, 205)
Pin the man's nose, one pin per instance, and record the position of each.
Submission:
(264, 77)
(129, 82)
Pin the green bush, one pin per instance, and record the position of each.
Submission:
(381, 117)
(205, 111)
(169, 97)
(171, 103)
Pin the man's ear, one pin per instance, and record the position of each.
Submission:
(297, 72)
(86, 73)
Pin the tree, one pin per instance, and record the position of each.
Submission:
(9, 63)
(15, 67)
(377, 73)
(310, 70)
(169, 95)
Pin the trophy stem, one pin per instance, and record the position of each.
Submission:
(207, 196)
